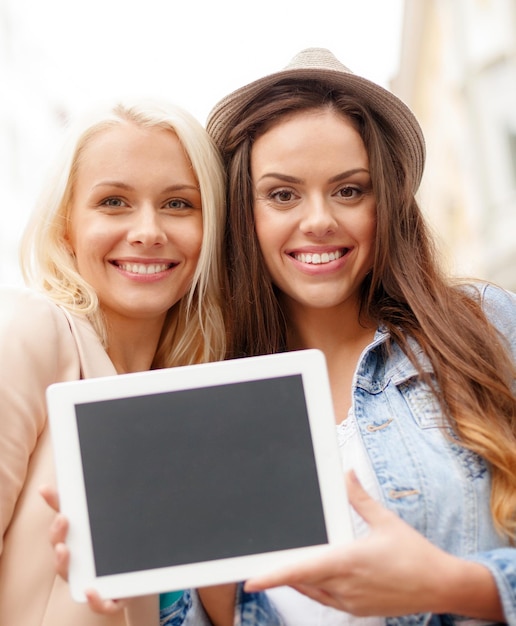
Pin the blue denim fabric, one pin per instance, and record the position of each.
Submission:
(419, 467)
(255, 608)
(251, 609)
(175, 614)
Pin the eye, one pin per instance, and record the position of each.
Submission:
(177, 204)
(113, 202)
(282, 196)
(349, 192)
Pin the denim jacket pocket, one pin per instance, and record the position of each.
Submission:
(422, 403)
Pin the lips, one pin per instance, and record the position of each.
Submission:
(318, 258)
(143, 268)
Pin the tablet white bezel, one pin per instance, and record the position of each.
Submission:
(61, 400)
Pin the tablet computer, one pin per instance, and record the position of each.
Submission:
(197, 475)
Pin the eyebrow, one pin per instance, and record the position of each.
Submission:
(292, 179)
(121, 185)
(344, 175)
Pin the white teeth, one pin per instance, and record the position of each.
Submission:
(318, 259)
(140, 268)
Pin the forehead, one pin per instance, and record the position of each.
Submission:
(128, 149)
(316, 135)
(126, 138)
(326, 110)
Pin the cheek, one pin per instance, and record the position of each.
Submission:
(268, 246)
(364, 228)
(368, 237)
(88, 245)
(91, 242)
(191, 240)
(368, 234)
(268, 231)
(194, 254)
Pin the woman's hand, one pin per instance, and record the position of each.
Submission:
(392, 571)
(57, 534)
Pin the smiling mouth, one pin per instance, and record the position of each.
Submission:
(144, 268)
(314, 258)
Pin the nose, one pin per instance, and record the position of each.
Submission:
(318, 218)
(146, 228)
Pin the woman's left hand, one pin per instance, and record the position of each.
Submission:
(392, 571)
(57, 535)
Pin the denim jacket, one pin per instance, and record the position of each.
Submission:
(418, 468)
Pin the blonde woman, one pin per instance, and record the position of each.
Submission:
(122, 263)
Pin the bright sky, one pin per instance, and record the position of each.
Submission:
(193, 52)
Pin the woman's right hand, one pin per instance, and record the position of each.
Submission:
(57, 535)
(392, 571)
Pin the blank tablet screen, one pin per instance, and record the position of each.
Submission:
(199, 474)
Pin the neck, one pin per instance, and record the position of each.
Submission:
(327, 329)
(342, 337)
(132, 344)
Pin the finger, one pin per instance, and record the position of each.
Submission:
(58, 530)
(278, 578)
(62, 560)
(309, 571)
(50, 496)
(105, 607)
(261, 583)
(369, 509)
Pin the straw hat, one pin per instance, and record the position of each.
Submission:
(319, 63)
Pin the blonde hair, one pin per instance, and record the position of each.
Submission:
(193, 331)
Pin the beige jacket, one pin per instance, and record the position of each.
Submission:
(41, 344)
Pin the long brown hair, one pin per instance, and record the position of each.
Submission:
(406, 291)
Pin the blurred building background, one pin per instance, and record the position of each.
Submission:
(457, 71)
(458, 74)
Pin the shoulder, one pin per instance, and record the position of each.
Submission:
(489, 293)
(17, 299)
(499, 306)
(498, 302)
(27, 308)
(33, 328)
(37, 350)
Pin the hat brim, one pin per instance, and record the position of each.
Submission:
(381, 101)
